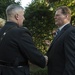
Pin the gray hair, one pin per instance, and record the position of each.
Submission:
(13, 9)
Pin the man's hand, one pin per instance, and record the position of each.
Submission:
(46, 59)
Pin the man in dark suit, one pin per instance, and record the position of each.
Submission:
(16, 45)
(61, 53)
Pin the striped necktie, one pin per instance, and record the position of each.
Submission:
(57, 32)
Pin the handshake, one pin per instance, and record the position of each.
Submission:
(46, 58)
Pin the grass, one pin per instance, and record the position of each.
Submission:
(35, 70)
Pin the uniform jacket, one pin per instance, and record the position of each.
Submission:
(62, 53)
(17, 48)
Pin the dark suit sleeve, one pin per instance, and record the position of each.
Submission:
(69, 46)
(29, 50)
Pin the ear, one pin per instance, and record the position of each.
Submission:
(16, 16)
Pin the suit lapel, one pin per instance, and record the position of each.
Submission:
(61, 33)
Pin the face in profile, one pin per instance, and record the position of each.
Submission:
(59, 18)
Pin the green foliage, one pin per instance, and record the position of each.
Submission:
(39, 72)
(3, 5)
(35, 70)
(39, 20)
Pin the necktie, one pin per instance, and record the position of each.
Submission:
(57, 32)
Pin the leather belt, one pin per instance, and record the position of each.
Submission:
(5, 64)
